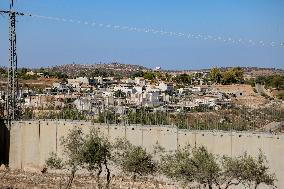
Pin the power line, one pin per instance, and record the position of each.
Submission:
(230, 40)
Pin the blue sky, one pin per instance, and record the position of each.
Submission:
(42, 42)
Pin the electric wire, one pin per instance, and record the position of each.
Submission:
(230, 40)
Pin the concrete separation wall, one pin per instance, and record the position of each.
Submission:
(31, 142)
(4, 143)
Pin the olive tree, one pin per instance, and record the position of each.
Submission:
(206, 169)
(246, 170)
(197, 165)
(133, 159)
(232, 172)
(91, 151)
(177, 165)
(255, 171)
(96, 153)
(191, 165)
(72, 148)
(72, 151)
(54, 162)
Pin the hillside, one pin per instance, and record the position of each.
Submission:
(253, 71)
(107, 69)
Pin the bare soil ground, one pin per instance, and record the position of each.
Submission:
(22, 180)
(252, 101)
(40, 82)
(248, 98)
(245, 89)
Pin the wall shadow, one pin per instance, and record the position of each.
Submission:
(4, 143)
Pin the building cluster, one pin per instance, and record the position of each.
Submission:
(94, 95)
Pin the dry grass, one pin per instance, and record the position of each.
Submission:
(20, 179)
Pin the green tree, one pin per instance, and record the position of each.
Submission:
(278, 82)
(232, 171)
(260, 80)
(228, 77)
(134, 159)
(28, 113)
(72, 149)
(281, 96)
(60, 75)
(192, 165)
(54, 162)
(233, 75)
(206, 169)
(3, 70)
(119, 94)
(22, 72)
(200, 166)
(215, 75)
(183, 79)
(239, 74)
(96, 153)
(178, 165)
(138, 73)
(149, 75)
(255, 171)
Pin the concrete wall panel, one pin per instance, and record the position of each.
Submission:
(186, 138)
(48, 140)
(32, 141)
(102, 129)
(62, 131)
(115, 132)
(166, 137)
(15, 153)
(30, 144)
(134, 134)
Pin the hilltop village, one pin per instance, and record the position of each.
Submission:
(218, 98)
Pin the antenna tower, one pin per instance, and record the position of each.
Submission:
(12, 105)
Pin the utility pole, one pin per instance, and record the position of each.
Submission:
(12, 105)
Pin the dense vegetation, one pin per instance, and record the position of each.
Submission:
(3, 72)
(234, 118)
(65, 113)
(274, 81)
(231, 76)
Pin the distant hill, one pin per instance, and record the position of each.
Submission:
(119, 69)
(253, 71)
(104, 69)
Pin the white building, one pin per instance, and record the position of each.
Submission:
(99, 80)
(169, 87)
(138, 89)
(30, 73)
(128, 90)
(83, 104)
(153, 99)
(140, 81)
(209, 101)
(128, 81)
